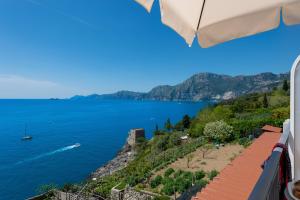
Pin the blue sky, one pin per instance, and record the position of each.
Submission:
(59, 48)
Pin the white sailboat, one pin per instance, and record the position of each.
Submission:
(26, 137)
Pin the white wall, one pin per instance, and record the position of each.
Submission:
(295, 118)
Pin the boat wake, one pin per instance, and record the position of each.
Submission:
(49, 153)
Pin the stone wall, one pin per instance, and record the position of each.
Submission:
(131, 194)
(134, 135)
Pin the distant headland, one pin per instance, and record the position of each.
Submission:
(202, 86)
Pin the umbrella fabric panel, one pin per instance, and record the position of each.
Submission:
(182, 16)
(242, 26)
(291, 13)
(146, 4)
(226, 20)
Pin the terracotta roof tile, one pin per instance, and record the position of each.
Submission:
(269, 128)
(236, 180)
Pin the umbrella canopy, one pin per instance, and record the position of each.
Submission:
(217, 21)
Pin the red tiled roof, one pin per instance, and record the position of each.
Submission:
(269, 128)
(236, 181)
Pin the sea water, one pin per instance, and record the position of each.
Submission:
(70, 138)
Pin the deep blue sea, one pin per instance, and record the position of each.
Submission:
(101, 127)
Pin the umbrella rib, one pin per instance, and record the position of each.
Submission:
(202, 9)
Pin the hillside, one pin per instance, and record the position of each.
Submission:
(202, 86)
(167, 164)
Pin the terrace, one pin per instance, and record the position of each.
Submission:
(272, 181)
(270, 184)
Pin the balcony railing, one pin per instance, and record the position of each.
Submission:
(268, 185)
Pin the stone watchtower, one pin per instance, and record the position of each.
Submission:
(134, 135)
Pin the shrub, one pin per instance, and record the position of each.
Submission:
(169, 187)
(187, 175)
(178, 173)
(168, 172)
(201, 182)
(156, 181)
(199, 175)
(182, 184)
(196, 130)
(218, 131)
(212, 174)
(281, 113)
(223, 112)
(132, 180)
(161, 143)
(244, 128)
(245, 142)
(174, 140)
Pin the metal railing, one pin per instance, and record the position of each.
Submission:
(268, 185)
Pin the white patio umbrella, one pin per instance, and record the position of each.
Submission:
(217, 21)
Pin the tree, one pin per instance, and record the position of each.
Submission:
(218, 131)
(285, 85)
(168, 124)
(186, 121)
(196, 130)
(179, 126)
(156, 128)
(265, 101)
(205, 149)
(189, 158)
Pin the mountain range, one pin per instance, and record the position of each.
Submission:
(202, 86)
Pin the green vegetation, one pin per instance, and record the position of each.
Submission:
(168, 125)
(168, 172)
(156, 181)
(186, 121)
(212, 174)
(121, 186)
(179, 181)
(239, 120)
(285, 85)
(218, 131)
(199, 175)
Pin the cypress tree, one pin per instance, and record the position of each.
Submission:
(285, 85)
(168, 124)
(186, 121)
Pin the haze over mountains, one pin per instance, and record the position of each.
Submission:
(202, 86)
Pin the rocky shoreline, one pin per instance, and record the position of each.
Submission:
(124, 156)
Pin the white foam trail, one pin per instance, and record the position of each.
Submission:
(49, 153)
